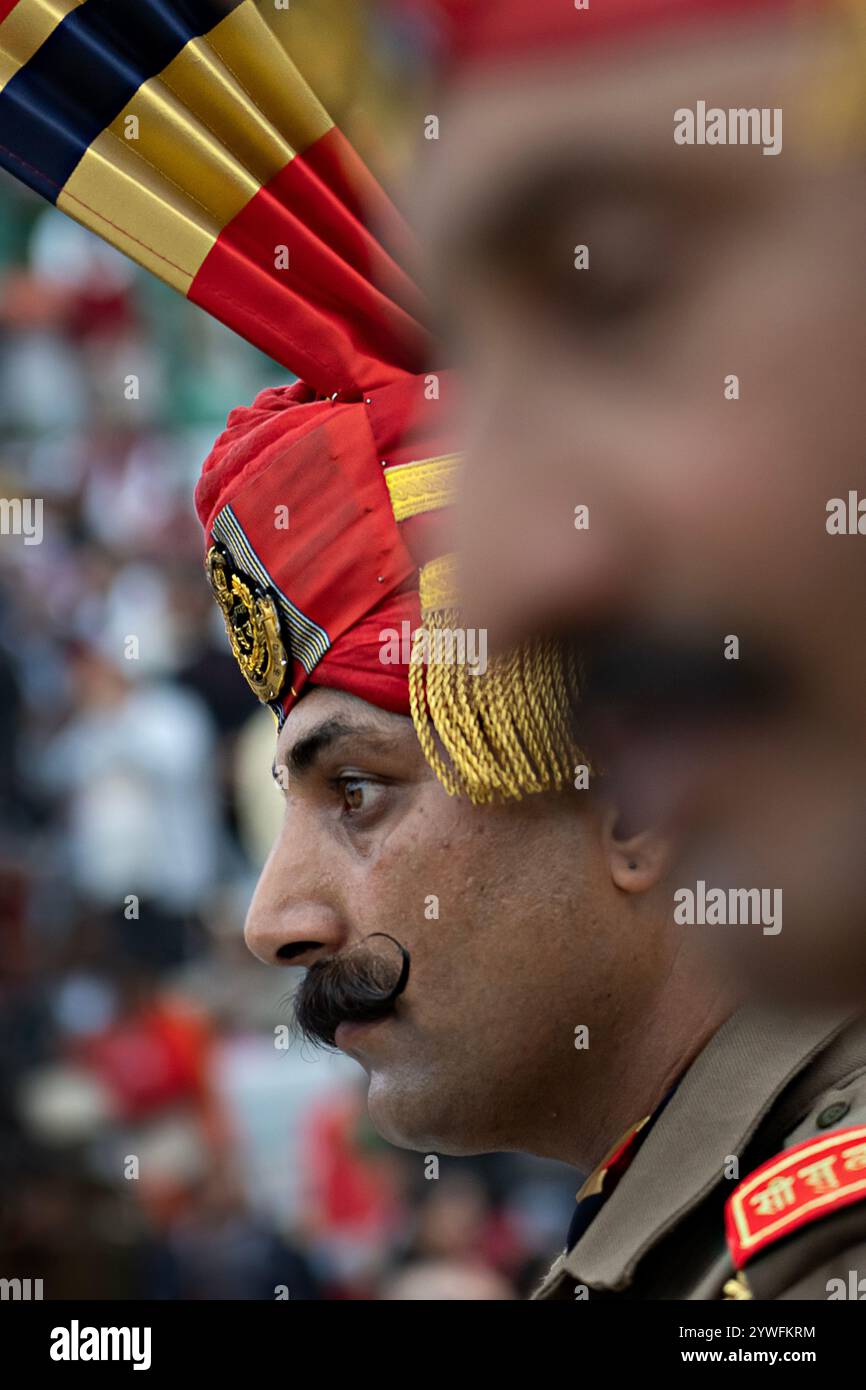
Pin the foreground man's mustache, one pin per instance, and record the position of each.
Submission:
(679, 675)
(655, 707)
(359, 986)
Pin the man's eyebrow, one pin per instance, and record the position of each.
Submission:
(514, 203)
(566, 182)
(305, 752)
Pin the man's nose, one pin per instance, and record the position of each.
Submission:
(520, 578)
(292, 919)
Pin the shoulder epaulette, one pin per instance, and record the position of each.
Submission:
(800, 1185)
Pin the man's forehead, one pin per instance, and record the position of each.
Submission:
(612, 106)
(342, 713)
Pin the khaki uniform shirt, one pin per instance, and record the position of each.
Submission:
(767, 1080)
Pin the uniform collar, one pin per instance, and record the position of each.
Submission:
(603, 1181)
(714, 1112)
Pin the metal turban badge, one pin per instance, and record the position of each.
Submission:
(252, 623)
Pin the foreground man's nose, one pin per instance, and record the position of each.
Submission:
(298, 935)
(289, 922)
(540, 573)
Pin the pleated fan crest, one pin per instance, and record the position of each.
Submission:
(182, 133)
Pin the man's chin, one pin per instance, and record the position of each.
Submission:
(411, 1115)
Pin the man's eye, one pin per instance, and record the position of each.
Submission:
(612, 292)
(358, 794)
(603, 269)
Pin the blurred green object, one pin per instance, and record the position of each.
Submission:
(20, 210)
(209, 369)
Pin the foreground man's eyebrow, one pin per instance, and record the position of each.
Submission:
(498, 210)
(304, 753)
(572, 184)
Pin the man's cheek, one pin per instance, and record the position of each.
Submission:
(410, 891)
(440, 906)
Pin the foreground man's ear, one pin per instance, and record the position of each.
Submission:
(637, 861)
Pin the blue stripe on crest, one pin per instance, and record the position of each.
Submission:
(84, 74)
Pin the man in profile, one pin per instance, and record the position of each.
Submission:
(480, 930)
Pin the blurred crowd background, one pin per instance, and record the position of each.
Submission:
(161, 1135)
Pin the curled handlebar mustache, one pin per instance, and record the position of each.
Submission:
(358, 986)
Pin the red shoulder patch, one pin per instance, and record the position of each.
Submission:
(798, 1186)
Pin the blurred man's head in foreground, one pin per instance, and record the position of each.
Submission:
(648, 237)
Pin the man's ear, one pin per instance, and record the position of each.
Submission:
(639, 861)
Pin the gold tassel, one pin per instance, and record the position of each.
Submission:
(506, 731)
(830, 116)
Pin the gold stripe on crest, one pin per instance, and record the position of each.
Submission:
(125, 200)
(424, 486)
(25, 30)
(252, 53)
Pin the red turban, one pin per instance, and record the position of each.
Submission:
(308, 506)
(476, 33)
